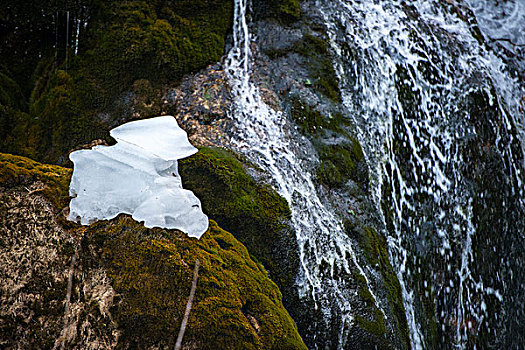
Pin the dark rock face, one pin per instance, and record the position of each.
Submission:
(294, 71)
(117, 284)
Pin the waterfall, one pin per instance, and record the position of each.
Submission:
(438, 115)
(265, 137)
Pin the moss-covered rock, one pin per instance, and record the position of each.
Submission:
(129, 283)
(313, 122)
(236, 305)
(253, 212)
(15, 170)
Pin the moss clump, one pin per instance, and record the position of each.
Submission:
(376, 253)
(287, 10)
(253, 212)
(236, 306)
(160, 42)
(284, 11)
(15, 170)
(320, 65)
(376, 326)
(62, 118)
(340, 163)
(313, 122)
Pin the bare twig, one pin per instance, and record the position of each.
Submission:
(63, 336)
(188, 306)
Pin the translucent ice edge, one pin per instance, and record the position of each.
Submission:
(137, 176)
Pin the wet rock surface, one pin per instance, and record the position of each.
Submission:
(201, 104)
(294, 74)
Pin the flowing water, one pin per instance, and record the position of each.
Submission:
(267, 139)
(440, 120)
(438, 116)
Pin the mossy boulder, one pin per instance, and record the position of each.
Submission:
(252, 211)
(236, 305)
(16, 171)
(129, 283)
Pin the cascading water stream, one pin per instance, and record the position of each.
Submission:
(432, 105)
(265, 137)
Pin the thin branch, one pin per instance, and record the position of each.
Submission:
(188, 306)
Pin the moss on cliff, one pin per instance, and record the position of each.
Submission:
(15, 170)
(253, 212)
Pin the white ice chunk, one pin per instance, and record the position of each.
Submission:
(137, 176)
(159, 136)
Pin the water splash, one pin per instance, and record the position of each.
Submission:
(267, 139)
(414, 79)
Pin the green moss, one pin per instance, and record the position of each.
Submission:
(61, 118)
(253, 212)
(15, 170)
(313, 122)
(339, 163)
(287, 10)
(236, 306)
(320, 65)
(376, 253)
(376, 326)
(372, 320)
(18, 132)
(161, 42)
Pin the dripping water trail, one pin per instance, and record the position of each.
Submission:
(264, 136)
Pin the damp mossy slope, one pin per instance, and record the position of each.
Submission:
(250, 210)
(236, 305)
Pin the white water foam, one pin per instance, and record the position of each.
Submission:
(373, 43)
(265, 137)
